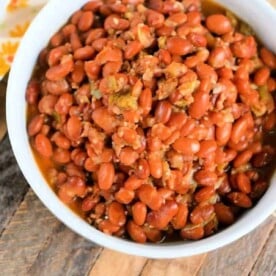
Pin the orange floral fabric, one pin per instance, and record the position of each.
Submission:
(15, 18)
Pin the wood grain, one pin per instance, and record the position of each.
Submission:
(111, 263)
(176, 267)
(25, 235)
(65, 253)
(240, 256)
(266, 262)
(13, 186)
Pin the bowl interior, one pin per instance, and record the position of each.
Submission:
(57, 13)
(262, 22)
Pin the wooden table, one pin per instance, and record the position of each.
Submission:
(33, 242)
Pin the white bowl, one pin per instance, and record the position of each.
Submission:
(50, 19)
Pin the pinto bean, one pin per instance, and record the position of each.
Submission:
(136, 232)
(35, 125)
(218, 24)
(159, 219)
(224, 214)
(149, 196)
(106, 176)
(179, 46)
(240, 199)
(85, 21)
(139, 213)
(206, 178)
(201, 214)
(186, 146)
(192, 232)
(163, 112)
(116, 213)
(43, 145)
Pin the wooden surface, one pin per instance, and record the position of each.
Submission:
(33, 242)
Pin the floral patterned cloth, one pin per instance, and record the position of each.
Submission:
(15, 17)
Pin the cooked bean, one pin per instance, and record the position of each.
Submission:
(132, 49)
(206, 178)
(239, 129)
(75, 41)
(163, 112)
(47, 103)
(116, 213)
(32, 92)
(109, 54)
(74, 128)
(60, 71)
(240, 199)
(64, 103)
(217, 57)
(115, 22)
(143, 169)
(223, 134)
(85, 21)
(107, 227)
(148, 195)
(106, 176)
(133, 183)
(155, 166)
(198, 40)
(145, 100)
(35, 125)
(57, 39)
(261, 76)
(262, 159)
(218, 24)
(89, 202)
(68, 29)
(104, 119)
(129, 135)
(186, 146)
(56, 54)
(136, 232)
(246, 48)
(94, 34)
(61, 141)
(204, 194)
(152, 234)
(179, 46)
(43, 145)
(201, 214)
(180, 219)
(242, 158)
(155, 19)
(207, 147)
(224, 214)
(61, 156)
(111, 68)
(128, 156)
(268, 58)
(139, 213)
(57, 87)
(124, 196)
(258, 189)
(84, 53)
(74, 186)
(192, 232)
(159, 219)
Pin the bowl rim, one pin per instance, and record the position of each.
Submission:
(16, 121)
